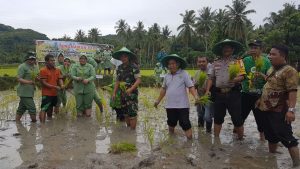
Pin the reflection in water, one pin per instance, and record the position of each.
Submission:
(27, 148)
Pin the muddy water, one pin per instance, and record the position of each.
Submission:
(84, 142)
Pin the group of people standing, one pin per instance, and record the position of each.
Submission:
(265, 85)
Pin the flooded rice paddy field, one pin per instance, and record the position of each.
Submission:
(70, 142)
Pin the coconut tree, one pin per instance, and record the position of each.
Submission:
(93, 35)
(121, 29)
(80, 36)
(204, 25)
(186, 30)
(237, 25)
(219, 28)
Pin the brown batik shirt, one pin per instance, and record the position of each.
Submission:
(275, 92)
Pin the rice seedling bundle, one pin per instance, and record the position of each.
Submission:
(122, 147)
(201, 78)
(234, 70)
(259, 63)
(203, 100)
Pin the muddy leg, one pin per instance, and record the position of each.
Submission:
(133, 121)
(262, 136)
(171, 130)
(217, 129)
(18, 118)
(189, 134)
(294, 153)
(33, 118)
(42, 116)
(88, 112)
(272, 147)
(127, 120)
(56, 109)
(240, 132)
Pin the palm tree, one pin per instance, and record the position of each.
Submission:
(121, 28)
(204, 25)
(80, 36)
(139, 33)
(186, 30)
(94, 34)
(220, 21)
(166, 32)
(237, 14)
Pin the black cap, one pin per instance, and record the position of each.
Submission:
(256, 43)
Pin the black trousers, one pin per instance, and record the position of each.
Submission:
(248, 105)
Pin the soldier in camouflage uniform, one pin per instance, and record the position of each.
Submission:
(128, 79)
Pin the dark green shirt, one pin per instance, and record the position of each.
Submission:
(26, 72)
(256, 85)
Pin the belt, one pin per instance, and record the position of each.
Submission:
(228, 89)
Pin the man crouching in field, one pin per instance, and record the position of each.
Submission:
(174, 87)
(50, 78)
(278, 101)
(27, 73)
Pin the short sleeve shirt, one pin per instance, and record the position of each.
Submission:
(251, 84)
(51, 76)
(26, 72)
(176, 93)
(128, 74)
(275, 91)
(220, 72)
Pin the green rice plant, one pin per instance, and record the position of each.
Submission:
(201, 78)
(150, 135)
(123, 86)
(259, 63)
(204, 100)
(234, 70)
(122, 147)
(71, 106)
(98, 115)
(67, 81)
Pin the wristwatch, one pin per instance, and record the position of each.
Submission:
(292, 109)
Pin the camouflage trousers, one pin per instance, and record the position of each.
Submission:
(130, 104)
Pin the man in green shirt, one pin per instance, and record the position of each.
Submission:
(27, 74)
(252, 85)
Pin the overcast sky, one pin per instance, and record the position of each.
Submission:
(58, 17)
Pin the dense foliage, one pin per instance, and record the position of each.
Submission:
(197, 33)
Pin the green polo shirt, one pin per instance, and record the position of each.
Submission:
(258, 83)
(86, 71)
(26, 72)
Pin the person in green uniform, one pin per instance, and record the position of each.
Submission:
(128, 78)
(97, 98)
(60, 60)
(158, 70)
(253, 84)
(27, 74)
(83, 75)
(66, 75)
(106, 61)
(99, 59)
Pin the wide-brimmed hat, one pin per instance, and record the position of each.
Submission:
(67, 58)
(123, 50)
(256, 43)
(238, 47)
(30, 55)
(166, 59)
